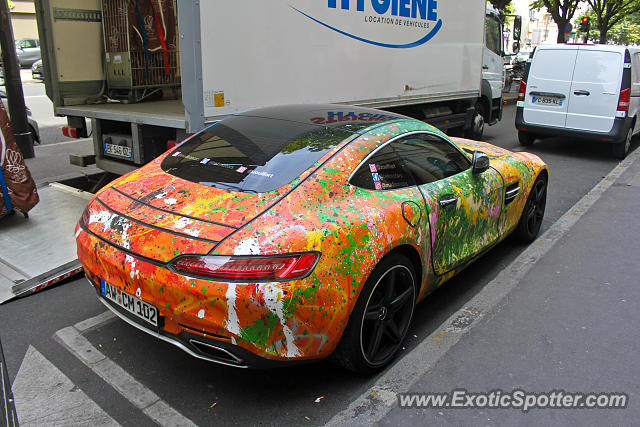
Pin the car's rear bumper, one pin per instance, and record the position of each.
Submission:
(617, 133)
(199, 346)
(235, 324)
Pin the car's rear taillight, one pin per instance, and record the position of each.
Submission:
(84, 219)
(247, 268)
(522, 90)
(624, 100)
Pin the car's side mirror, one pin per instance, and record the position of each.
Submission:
(480, 162)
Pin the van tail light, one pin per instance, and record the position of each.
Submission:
(522, 90)
(624, 99)
(247, 268)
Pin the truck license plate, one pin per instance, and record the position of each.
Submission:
(133, 305)
(118, 150)
(547, 100)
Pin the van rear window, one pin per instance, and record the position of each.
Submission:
(596, 66)
(553, 64)
(252, 154)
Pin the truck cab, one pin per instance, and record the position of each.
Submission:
(489, 105)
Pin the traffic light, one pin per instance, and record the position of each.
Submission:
(584, 24)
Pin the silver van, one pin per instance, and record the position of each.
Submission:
(582, 91)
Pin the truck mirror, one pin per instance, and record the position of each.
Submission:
(516, 46)
(517, 27)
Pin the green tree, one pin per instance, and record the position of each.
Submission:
(501, 4)
(626, 31)
(561, 11)
(609, 12)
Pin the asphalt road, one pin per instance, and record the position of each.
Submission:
(312, 394)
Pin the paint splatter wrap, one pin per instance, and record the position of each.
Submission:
(147, 218)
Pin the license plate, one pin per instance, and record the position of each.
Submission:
(547, 100)
(118, 150)
(133, 305)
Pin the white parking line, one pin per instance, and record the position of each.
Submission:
(45, 396)
(132, 390)
(377, 401)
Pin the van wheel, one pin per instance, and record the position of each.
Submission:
(381, 317)
(621, 149)
(477, 124)
(525, 138)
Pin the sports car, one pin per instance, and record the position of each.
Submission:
(297, 233)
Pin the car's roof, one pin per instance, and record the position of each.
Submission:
(346, 117)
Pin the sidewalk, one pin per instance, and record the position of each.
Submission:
(570, 324)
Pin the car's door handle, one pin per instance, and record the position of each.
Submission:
(448, 201)
(485, 67)
(582, 92)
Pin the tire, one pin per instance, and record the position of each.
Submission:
(34, 135)
(381, 317)
(533, 212)
(525, 139)
(621, 149)
(477, 125)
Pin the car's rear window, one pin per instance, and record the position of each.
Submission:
(252, 154)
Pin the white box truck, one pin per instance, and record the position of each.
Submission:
(149, 73)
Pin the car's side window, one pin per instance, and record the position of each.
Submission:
(429, 157)
(382, 171)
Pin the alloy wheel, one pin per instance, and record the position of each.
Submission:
(535, 211)
(387, 315)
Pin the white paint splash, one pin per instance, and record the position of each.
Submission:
(138, 292)
(233, 324)
(102, 217)
(170, 201)
(248, 247)
(161, 195)
(201, 313)
(182, 223)
(274, 300)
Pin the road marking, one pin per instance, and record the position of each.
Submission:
(374, 404)
(43, 395)
(132, 390)
(35, 96)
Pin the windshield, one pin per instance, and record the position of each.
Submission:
(252, 154)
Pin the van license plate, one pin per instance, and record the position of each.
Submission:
(118, 150)
(547, 100)
(133, 305)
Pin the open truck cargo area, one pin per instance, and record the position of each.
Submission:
(149, 76)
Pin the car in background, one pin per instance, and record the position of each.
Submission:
(298, 232)
(37, 70)
(28, 51)
(33, 125)
(587, 92)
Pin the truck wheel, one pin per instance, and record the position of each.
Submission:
(621, 149)
(477, 124)
(525, 138)
(381, 317)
